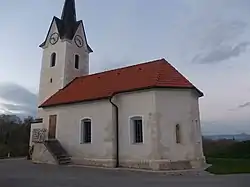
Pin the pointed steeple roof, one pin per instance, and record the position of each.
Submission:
(68, 24)
(69, 12)
(69, 19)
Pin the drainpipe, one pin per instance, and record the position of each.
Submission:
(117, 129)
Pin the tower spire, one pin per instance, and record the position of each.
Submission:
(69, 12)
(67, 26)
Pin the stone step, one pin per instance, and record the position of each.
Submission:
(58, 151)
(62, 156)
(64, 161)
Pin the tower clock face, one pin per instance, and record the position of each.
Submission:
(54, 38)
(78, 41)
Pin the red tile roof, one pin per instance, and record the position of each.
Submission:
(158, 73)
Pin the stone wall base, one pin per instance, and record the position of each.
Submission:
(181, 165)
(110, 163)
(199, 163)
(145, 164)
(165, 164)
(42, 155)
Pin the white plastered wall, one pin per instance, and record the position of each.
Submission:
(178, 107)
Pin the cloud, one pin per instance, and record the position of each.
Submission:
(221, 32)
(239, 107)
(221, 53)
(220, 40)
(15, 99)
(247, 104)
(26, 109)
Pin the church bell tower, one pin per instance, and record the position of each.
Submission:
(65, 52)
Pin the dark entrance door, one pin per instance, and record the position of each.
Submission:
(52, 126)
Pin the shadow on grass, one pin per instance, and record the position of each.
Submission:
(228, 166)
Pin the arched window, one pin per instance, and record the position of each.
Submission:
(85, 131)
(53, 60)
(178, 134)
(77, 61)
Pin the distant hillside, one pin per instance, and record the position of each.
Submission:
(238, 137)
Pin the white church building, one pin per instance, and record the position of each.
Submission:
(141, 116)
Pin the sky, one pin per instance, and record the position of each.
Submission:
(208, 41)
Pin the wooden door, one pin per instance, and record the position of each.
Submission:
(52, 126)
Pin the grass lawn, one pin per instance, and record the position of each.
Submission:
(228, 166)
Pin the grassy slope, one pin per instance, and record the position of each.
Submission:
(228, 166)
(227, 156)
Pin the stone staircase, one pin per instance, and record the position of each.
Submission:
(58, 152)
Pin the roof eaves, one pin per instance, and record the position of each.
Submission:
(114, 93)
(200, 93)
(43, 44)
(44, 105)
(72, 102)
(85, 37)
